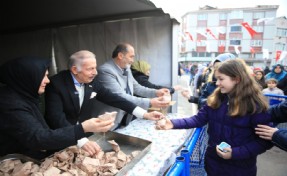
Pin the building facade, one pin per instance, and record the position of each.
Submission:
(253, 33)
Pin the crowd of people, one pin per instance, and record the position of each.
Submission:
(243, 119)
(221, 85)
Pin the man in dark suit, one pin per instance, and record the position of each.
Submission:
(70, 95)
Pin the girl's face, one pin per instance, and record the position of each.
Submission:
(258, 75)
(224, 82)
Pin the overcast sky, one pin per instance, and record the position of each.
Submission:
(177, 8)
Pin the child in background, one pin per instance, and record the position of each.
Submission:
(231, 115)
(272, 87)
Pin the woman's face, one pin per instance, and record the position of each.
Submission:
(147, 72)
(277, 69)
(43, 84)
(258, 75)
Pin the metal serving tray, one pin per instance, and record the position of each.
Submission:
(127, 144)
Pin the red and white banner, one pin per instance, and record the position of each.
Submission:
(208, 31)
(189, 36)
(278, 54)
(252, 50)
(236, 48)
(283, 55)
(251, 31)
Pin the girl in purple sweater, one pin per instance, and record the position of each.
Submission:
(232, 112)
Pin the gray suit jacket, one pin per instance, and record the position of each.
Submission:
(112, 78)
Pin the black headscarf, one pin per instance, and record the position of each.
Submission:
(24, 75)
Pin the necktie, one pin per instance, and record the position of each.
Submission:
(125, 73)
(81, 91)
(124, 121)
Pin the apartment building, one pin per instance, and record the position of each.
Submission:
(251, 33)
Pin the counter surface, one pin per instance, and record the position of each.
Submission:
(165, 145)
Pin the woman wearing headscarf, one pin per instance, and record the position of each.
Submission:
(23, 127)
(280, 75)
(141, 71)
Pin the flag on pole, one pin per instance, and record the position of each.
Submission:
(208, 31)
(236, 48)
(283, 55)
(265, 20)
(201, 33)
(221, 49)
(278, 54)
(265, 53)
(221, 30)
(189, 36)
(251, 31)
(183, 36)
(252, 50)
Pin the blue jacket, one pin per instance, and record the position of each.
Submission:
(239, 132)
(279, 115)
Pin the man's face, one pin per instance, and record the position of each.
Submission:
(88, 71)
(128, 58)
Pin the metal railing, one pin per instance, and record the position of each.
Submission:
(182, 164)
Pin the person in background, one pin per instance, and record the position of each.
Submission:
(277, 136)
(266, 70)
(280, 75)
(71, 95)
(272, 87)
(23, 127)
(197, 79)
(210, 84)
(193, 70)
(141, 71)
(180, 70)
(260, 79)
(115, 75)
(231, 115)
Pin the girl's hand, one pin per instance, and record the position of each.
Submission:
(163, 124)
(224, 155)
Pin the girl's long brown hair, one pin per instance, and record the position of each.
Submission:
(246, 96)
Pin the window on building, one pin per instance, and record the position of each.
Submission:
(223, 16)
(237, 14)
(200, 43)
(258, 15)
(280, 46)
(235, 42)
(235, 28)
(201, 54)
(281, 32)
(208, 54)
(256, 42)
(194, 54)
(202, 17)
(258, 28)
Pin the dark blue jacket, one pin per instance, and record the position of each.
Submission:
(279, 115)
(239, 132)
